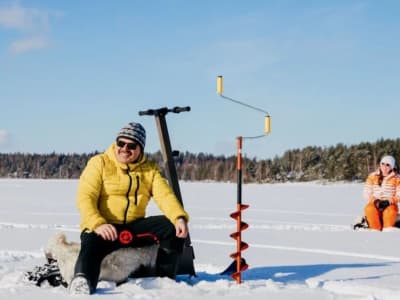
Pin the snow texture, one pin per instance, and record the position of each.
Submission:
(302, 245)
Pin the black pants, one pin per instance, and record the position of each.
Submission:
(94, 248)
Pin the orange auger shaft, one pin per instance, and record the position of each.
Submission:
(237, 215)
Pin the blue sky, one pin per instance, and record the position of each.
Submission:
(72, 73)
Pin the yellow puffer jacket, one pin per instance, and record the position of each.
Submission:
(111, 192)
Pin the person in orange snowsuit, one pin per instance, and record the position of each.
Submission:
(382, 192)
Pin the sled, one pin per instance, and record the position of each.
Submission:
(185, 259)
(232, 268)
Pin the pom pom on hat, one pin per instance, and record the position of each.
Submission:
(388, 159)
(134, 131)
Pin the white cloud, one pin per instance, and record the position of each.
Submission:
(4, 136)
(27, 44)
(23, 19)
(32, 23)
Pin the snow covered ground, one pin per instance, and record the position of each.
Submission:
(301, 243)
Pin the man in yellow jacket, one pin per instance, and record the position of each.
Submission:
(114, 190)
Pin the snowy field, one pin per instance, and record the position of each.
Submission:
(301, 243)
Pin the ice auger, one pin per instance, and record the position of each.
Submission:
(239, 264)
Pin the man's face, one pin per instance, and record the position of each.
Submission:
(127, 151)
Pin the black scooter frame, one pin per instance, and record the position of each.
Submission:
(185, 260)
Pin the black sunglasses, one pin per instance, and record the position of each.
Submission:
(131, 146)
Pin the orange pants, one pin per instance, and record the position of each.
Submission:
(375, 217)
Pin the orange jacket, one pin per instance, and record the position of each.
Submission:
(388, 190)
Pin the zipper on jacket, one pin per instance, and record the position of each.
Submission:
(127, 194)
(137, 189)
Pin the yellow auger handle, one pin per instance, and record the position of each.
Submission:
(267, 129)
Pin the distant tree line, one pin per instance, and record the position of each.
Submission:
(335, 163)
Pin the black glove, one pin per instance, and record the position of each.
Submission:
(381, 204)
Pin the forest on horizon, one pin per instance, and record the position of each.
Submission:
(333, 163)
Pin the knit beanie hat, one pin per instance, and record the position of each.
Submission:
(134, 131)
(388, 159)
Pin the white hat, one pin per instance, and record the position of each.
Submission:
(388, 159)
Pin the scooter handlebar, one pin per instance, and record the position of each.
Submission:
(148, 112)
(163, 111)
(178, 109)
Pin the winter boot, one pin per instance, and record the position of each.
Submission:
(167, 263)
(79, 286)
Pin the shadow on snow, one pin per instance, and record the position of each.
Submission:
(283, 274)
